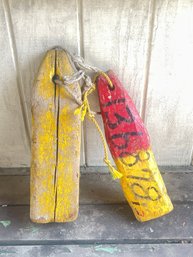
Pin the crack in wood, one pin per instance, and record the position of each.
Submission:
(57, 109)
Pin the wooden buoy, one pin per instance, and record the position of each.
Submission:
(56, 137)
(129, 144)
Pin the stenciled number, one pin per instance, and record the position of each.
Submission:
(136, 157)
(125, 136)
(146, 194)
(147, 172)
(119, 118)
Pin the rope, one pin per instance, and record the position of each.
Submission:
(84, 108)
(115, 173)
(105, 76)
(74, 78)
(61, 83)
(79, 61)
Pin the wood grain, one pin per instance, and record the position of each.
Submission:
(115, 37)
(14, 145)
(68, 148)
(169, 108)
(44, 143)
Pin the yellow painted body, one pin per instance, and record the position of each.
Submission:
(56, 136)
(143, 186)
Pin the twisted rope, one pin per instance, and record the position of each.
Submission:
(84, 106)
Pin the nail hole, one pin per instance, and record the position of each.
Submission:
(111, 88)
(55, 77)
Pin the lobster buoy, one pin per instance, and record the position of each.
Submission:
(56, 136)
(129, 144)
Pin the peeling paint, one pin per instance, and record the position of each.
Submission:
(107, 249)
(5, 223)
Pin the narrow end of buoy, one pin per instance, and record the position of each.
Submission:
(57, 48)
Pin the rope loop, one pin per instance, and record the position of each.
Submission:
(105, 76)
(84, 107)
(77, 76)
(84, 110)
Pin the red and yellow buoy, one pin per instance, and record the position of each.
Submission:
(129, 144)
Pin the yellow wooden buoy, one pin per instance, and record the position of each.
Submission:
(56, 137)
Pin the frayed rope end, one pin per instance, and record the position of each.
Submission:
(81, 111)
(115, 173)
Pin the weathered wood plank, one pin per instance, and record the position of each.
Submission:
(44, 127)
(56, 136)
(47, 24)
(95, 189)
(97, 223)
(68, 148)
(111, 39)
(119, 250)
(169, 109)
(14, 146)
